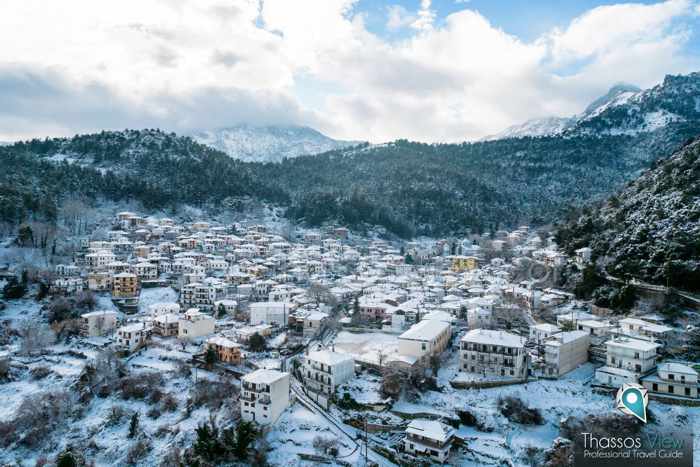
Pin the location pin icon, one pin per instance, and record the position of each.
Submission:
(633, 400)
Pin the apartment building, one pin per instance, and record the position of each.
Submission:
(194, 324)
(202, 294)
(125, 285)
(264, 396)
(429, 438)
(494, 353)
(626, 360)
(323, 372)
(565, 351)
(97, 323)
(100, 281)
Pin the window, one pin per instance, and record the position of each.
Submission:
(671, 376)
(654, 387)
(422, 346)
(670, 389)
(687, 391)
(636, 355)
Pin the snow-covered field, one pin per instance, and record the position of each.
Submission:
(367, 346)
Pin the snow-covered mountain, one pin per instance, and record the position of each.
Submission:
(268, 143)
(624, 110)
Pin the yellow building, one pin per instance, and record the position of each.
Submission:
(464, 263)
(126, 285)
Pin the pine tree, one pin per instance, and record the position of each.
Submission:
(210, 357)
(134, 425)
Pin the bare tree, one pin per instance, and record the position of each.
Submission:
(35, 337)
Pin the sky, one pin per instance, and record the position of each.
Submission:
(424, 70)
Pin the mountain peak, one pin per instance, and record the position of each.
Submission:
(614, 92)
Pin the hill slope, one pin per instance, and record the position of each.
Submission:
(651, 229)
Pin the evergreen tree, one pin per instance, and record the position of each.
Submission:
(256, 343)
(210, 357)
(134, 425)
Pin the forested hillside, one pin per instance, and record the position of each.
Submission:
(434, 189)
(155, 168)
(408, 188)
(651, 229)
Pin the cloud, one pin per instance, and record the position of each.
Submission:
(426, 17)
(185, 65)
(38, 102)
(398, 17)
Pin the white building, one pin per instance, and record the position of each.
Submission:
(565, 351)
(98, 323)
(494, 353)
(626, 360)
(425, 339)
(163, 308)
(324, 371)
(167, 324)
(429, 438)
(195, 324)
(264, 396)
(132, 336)
(640, 329)
(314, 322)
(270, 313)
(673, 379)
(540, 332)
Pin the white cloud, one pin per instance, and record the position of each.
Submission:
(426, 17)
(84, 65)
(398, 17)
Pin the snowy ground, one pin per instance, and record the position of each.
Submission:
(366, 346)
(150, 296)
(294, 433)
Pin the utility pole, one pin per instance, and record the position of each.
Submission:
(365, 420)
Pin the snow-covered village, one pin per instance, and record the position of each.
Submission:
(159, 342)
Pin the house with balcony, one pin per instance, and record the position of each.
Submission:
(264, 396)
(494, 354)
(323, 372)
(429, 438)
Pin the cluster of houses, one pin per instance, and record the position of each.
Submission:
(235, 282)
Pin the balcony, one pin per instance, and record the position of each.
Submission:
(264, 399)
(249, 397)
